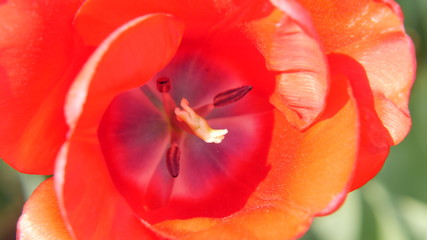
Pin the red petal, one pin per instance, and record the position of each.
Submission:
(310, 174)
(41, 218)
(297, 57)
(39, 57)
(83, 182)
(92, 206)
(97, 18)
(372, 33)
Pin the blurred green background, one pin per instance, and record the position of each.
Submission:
(393, 206)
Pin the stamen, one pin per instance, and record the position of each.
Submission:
(163, 84)
(199, 125)
(172, 160)
(230, 96)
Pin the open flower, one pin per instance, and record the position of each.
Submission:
(198, 119)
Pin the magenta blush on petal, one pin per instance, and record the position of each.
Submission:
(133, 136)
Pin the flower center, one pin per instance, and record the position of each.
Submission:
(198, 125)
(195, 123)
(194, 143)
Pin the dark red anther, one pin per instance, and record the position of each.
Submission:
(172, 160)
(163, 84)
(231, 96)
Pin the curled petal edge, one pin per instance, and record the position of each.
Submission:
(151, 42)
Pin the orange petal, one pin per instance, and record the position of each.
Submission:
(41, 218)
(372, 33)
(264, 222)
(310, 175)
(390, 68)
(128, 58)
(394, 6)
(375, 138)
(39, 57)
(297, 58)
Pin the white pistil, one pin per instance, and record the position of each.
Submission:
(198, 124)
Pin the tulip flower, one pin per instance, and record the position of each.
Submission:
(198, 119)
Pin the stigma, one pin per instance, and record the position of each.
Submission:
(198, 125)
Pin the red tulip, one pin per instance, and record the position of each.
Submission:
(198, 119)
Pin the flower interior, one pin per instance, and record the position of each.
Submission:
(193, 142)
